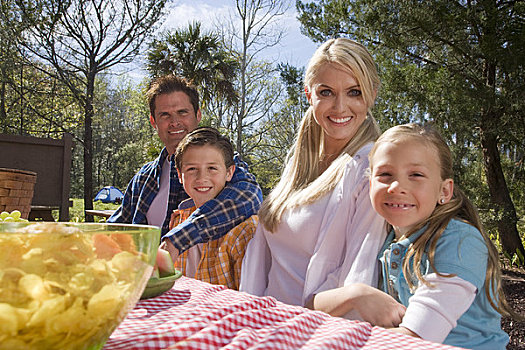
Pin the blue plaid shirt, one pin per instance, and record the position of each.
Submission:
(240, 199)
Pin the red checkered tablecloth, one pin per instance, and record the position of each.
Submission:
(198, 315)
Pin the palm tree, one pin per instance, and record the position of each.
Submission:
(199, 57)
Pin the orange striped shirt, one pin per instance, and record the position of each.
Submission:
(220, 259)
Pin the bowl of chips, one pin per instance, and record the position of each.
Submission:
(69, 285)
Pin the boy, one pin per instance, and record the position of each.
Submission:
(204, 161)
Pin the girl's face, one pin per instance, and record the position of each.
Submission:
(338, 105)
(405, 184)
(203, 173)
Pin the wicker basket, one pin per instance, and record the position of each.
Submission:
(16, 190)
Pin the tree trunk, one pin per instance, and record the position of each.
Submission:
(3, 91)
(506, 217)
(506, 213)
(244, 63)
(88, 146)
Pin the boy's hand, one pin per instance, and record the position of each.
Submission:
(174, 252)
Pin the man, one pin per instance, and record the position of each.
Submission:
(155, 191)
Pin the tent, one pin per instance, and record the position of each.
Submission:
(109, 194)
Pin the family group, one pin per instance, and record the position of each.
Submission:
(361, 225)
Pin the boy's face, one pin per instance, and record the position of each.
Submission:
(203, 173)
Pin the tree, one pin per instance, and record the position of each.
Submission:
(260, 30)
(81, 39)
(460, 63)
(199, 57)
(280, 128)
(122, 135)
(30, 101)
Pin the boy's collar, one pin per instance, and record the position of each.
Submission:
(186, 204)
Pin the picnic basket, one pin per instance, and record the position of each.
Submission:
(16, 190)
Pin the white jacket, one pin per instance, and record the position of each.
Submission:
(349, 240)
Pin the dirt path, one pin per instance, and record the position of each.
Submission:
(514, 287)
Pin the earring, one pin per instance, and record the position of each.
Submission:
(442, 201)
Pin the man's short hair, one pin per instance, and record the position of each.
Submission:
(205, 136)
(170, 83)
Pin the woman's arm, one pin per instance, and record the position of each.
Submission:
(373, 305)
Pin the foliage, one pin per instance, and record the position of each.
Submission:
(31, 102)
(123, 139)
(280, 128)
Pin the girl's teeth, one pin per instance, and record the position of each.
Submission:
(400, 205)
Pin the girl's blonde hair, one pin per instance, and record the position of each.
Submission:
(459, 207)
(300, 181)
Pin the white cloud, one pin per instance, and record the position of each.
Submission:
(295, 48)
(179, 16)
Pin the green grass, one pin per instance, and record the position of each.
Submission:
(76, 213)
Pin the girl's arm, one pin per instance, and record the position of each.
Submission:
(405, 331)
(433, 311)
(373, 305)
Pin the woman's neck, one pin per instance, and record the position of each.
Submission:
(329, 154)
(325, 160)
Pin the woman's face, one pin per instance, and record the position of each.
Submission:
(338, 105)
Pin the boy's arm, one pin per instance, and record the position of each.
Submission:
(240, 199)
(238, 243)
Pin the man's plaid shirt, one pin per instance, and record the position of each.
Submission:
(221, 258)
(240, 199)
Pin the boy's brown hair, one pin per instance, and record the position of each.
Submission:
(205, 136)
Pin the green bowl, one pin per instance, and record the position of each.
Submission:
(69, 285)
(157, 286)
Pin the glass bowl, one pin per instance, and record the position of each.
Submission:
(69, 285)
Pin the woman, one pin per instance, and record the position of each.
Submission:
(318, 230)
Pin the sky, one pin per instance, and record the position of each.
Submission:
(295, 48)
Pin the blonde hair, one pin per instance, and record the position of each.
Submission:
(459, 207)
(300, 181)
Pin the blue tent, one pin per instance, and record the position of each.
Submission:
(109, 194)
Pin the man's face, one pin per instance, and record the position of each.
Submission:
(174, 118)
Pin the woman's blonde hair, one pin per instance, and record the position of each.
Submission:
(300, 181)
(459, 207)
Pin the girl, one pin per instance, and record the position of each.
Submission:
(436, 260)
(317, 228)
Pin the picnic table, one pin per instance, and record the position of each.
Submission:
(197, 315)
(105, 213)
